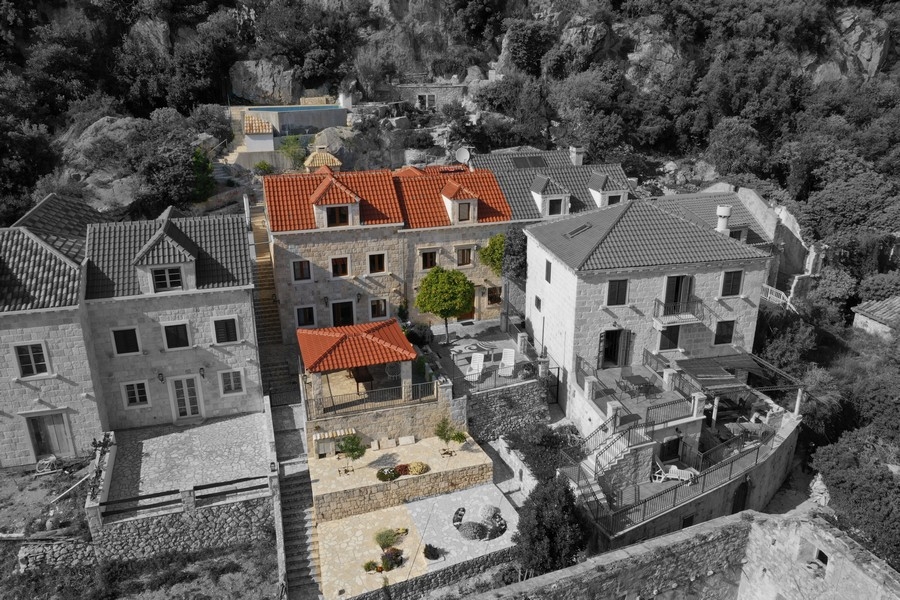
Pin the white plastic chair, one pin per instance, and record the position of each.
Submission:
(473, 372)
(507, 362)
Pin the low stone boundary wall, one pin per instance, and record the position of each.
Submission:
(213, 526)
(417, 587)
(356, 501)
(36, 556)
(514, 460)
(493, 413)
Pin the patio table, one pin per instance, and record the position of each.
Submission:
(362, 376)
(639, 383)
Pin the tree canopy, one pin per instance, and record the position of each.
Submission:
(445, 294)
(549, 536)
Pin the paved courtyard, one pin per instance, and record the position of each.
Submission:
(166, 457)
(345, 544)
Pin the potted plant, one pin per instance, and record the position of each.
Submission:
(448, 432)
(370, 566)
(431, 552)
(386, 538)
(352, 448)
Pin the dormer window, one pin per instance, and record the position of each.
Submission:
(337, 216)
(738, 233)
(555, 207)
(614, 199)
(167, 279)
(461, 204)
(465, 211)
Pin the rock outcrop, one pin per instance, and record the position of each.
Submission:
(266, 81)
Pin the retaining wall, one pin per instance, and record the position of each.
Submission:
(38, 556)
(494, 413)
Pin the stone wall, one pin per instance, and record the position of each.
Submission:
(146, 313)
(214, 526)
(513, 459)
(444, 93)
(37, 556)
(497, 412)
(356, 501)
(417, 587)
(636, 466)
(67, 390)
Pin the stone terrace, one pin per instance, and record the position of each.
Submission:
(168, 457)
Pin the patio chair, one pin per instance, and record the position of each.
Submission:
(473, 372)
(507, 362)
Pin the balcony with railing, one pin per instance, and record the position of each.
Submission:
(677, 313)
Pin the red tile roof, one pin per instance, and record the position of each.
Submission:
(420, 197)
(289, 198)
(337, 348)
(408, 195)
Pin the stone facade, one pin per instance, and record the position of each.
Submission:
(147, 313)
(574, 314)
(356, 501)
(443, 93)
(872, 326)
(419, 587)
(494, 413)
(402, 274)
(635, 466)
(515, 461)
(66, 395)
(213, 526)
(49, 555)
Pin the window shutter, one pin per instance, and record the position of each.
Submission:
(600, 347)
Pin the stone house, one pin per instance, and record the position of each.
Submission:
(606, 285)
(351, 247)
(878, 317)
(169, 309)
(48, 401)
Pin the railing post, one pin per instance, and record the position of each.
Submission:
(730, 469)
(406, 380)
(189, 500)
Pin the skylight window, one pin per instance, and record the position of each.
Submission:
(578, 230)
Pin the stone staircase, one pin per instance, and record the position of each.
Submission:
(301, 544)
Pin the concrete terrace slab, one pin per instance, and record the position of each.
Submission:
(345, 544)
(327, 473)
(167, 457)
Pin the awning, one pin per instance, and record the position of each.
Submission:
(713, 376)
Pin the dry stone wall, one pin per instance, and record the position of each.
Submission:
(209, 527)
(49, 555)
(497, 412)
(346, 503)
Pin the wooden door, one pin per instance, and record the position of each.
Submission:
(342, 313)
(49, 435)
(470, 314)
(186, 397)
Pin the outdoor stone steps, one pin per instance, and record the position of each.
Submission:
(300, 537)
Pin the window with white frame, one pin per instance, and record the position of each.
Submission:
(376, 263)
(167, 279)
(306, 316)
(465, 212)
(724, 332)
(429, 259)
(126, 342)
(340, 266)
(337, 216)
(378, 308)
(134, 394)
(731, 283)
(225, 330)
(176, 336)
(32, 359)
(302, 270)
(463, 257)
(554, 207)
(231, 382)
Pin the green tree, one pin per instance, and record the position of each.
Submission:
(880, 286)
(204, 184)
(734, 147)
(448, 432)
(515, 254)
(549, 536)
(492, 254)
(26, 154)
(293, 150)
(445, 294)
(352, 448)
(527, 41)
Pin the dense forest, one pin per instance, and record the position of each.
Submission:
(798, 99)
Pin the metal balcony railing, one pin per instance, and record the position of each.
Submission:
(675, 313)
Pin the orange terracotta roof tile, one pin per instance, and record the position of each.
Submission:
(289, 198)
(420, 198)
(409, 171)
(338, 348)
(254, 124)
(321, 158)
(433, 169)
(332, 191)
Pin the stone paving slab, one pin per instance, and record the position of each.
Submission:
(345, 544)
(289, 444)
(169, 457)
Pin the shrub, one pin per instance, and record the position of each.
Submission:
(431, 552)
(386, 474)
(472, 530)
(223, 568)
(417, 468)
(402, 470)
(392, 558)
(369, 566)
(487, 514)
(263, 168)
(386, 538)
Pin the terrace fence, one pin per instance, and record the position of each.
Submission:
(345, 404)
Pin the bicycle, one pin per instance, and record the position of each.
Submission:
(47, 464)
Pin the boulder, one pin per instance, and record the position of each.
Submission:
(865, 40)
(152, 35)
(474, 73)
(266, 81)
(652, 59)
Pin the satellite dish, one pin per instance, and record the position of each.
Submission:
(463, 156)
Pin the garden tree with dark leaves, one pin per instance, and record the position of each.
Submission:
(26, 154)
(143, 75)
(734, 147)
(549, 535)
(863, 489)
(492, 254)
(515, 254)
(784, 339)
(523, 100)
(475, 21)
(527, 42)
(445, 294)
(880, 286)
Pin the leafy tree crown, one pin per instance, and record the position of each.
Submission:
(445, 293)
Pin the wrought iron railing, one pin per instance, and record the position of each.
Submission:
(670, 411)
(490, 378)
(619, 443)
(375, 399)
(727, 470)
(654, 362)
(678, 311)
(684, 386)
(575, 473)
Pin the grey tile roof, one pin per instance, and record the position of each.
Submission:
(222, 252)
(636, 234)
(886, 311)
(517, 184)
(505, 161)
(33, 275)
(703, 205)
(62, 223)
(167, 246)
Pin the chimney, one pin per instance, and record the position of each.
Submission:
(723, 212)
(576, 155)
